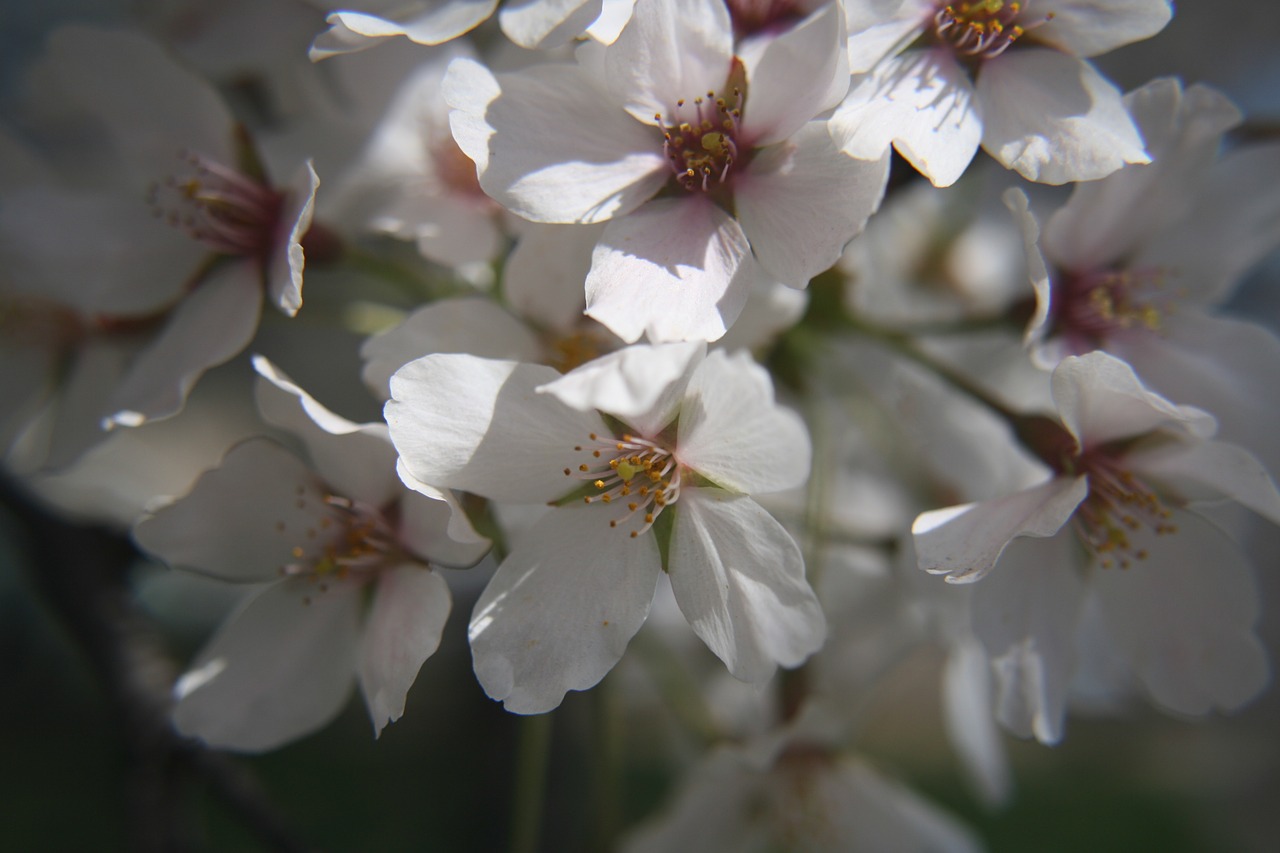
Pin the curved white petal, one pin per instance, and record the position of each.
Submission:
(1037, 327)
(422, 22)
(1211, 470)
(1101, 399)
(543, 277)
(402, 629)
(669, 51)
(479, 425)
(547, 23)
(923, 104)
(738, 577)
(801, 201)
(561, 609)
(734, 433)
(1184, 618)
(1054, 119)
(967, 701)
(284, 276)
(279, 669)
(677, 269)
(1088, 28)
(210, 325)
(438, 530)
(357, 460)
(243, 520)
(965, 542)
(476, 326)
(549, 144)
(799, 74)
(1026, 616)
(1104, 221)
(641, 384)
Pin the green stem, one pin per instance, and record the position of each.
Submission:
(532, 759)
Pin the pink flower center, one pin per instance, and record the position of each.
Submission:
(983, 29)
(226, 210)
(753, 17)
(702, 147)
(1119, 504)
(1092, 307)
(639, 476)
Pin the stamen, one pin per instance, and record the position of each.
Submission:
(227, 211)
(983, 29)
(706, 147)
(617, 465)
(1093, 306)
(1118, 505)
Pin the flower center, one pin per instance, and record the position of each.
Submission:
(981, 30)
(752, 17)
(1095, 305)
(1119, 504)
(350, 541)
(226, 210)
(702, 147)
(639, 476)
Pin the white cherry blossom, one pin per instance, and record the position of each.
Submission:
(650, 455)
(1137, 263)
(935, 80)
(343, 556)
(707, 167)
(1115, 522)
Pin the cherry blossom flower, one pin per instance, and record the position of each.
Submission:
(177, 240)
(1175, 593)
(708, 169)
(1135, 265)
(937, 79)
(343, 558)
(649, 455)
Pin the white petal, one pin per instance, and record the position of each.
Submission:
(410, 606)
(284, 278)
(422, 23)
(1026, 617)
(801, 201)
(1037, 327)
(1087, 28)
(242, 520)
(738, 577)
(678, 269)
(1232, 226)
(965, 542)
(561, 609)
(549, 145)
(880, 27)
(1184, 618)
(547, 23)
(799, 74)
(479, 425)
(1105, 220)
(1101, 399)
(543, 277)
(1054, 119)
(1219, 364)
(210, 325)
(875, 813)
(922, 103)
(966, 686)
(670, 51)
(1210, 470)
(278, 669)
(151, 105)
(357, 460)
(438, 530)
(641, 384)
(733, 432)
(476, 326)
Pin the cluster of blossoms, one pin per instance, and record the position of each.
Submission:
(675, 317)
